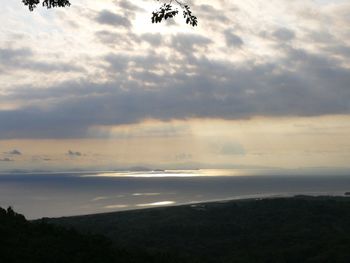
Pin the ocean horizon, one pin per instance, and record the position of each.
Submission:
(38, 195)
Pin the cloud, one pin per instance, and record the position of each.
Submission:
(127, 5)
(183, 157)
(6, 160)
(201, 95)
(74, 154)
(283, 34)
(24, 59)
(157, 130)
(232, 149)
(188, 43)
(232, 40)
(14, 152)
(154, 39)
(114, 39)
(11, 55)
(128, 77)
(301, 83)
(210, 13)
(109, 18)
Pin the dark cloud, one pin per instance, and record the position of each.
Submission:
(15, 59)
(11, 58)
(109, 18)
(210, 13)
(167, 86)
(10, 55)
(113, 39)
(127, 5)
(207, 9)
(153, 39)
(283, 34)
(320, 37)
(6, 160)
(14, 152)
(189, 42)
(232, 40)
(170, 22)
(106, 36)
(118, 63)
(74, 154)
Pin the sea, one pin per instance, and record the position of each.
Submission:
(38, 195)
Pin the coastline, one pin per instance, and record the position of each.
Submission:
(202, 204)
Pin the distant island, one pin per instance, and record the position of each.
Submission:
(294, 229)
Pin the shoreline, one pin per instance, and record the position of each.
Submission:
(201, 204)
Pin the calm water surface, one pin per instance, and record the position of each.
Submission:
(64, 194)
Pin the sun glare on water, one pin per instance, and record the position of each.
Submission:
(169, 173)
(161, 203)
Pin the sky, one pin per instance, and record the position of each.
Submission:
(97, 86)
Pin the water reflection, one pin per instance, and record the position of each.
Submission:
(146, 194)
(40, 195)
(170, 173)
(161, 203)
(99, 198)
(115, 206)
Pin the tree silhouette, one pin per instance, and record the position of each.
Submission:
(48, 3)
(166, 10)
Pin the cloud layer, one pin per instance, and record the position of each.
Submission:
(244, 60)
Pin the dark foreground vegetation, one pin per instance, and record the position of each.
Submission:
(22, 241)
(299, 229)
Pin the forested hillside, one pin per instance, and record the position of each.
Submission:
(22, 241)
(300, 229)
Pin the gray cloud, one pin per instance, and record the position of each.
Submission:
(113, 39)
(109, 18)
(188, 43)
(232, 149)
(283, 34)
(153, 39)
(210, 13)
(232, 40)
(127, 5)
(310, 85)
(183, 157)
(15, 59)
(14, 152)
(182, 76)
(74, 154)
(6, 160)
(8, 54)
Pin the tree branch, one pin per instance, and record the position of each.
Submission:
(165, 12)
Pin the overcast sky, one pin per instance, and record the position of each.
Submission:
(98, 86)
